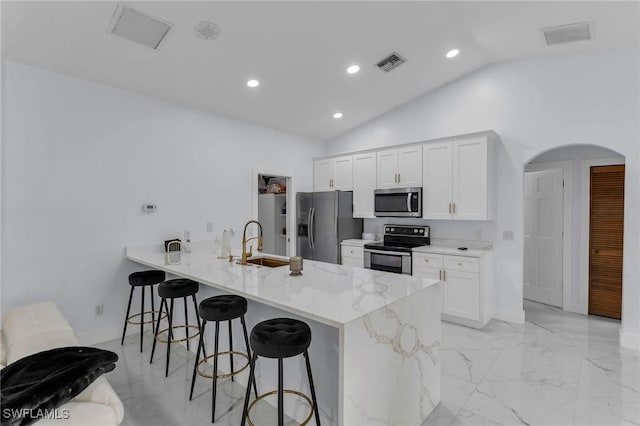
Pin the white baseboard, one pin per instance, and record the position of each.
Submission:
(516, 317)
(631, 341)
(100, 335)
(574, 308)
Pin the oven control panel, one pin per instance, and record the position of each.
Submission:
(407, 230)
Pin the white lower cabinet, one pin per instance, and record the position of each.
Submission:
(466, 285)
(352, 255)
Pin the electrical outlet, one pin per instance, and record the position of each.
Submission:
(507, 235)
(99, 310)
(209, 226)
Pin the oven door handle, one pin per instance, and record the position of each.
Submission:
(393, 253)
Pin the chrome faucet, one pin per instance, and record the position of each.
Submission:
(246, 255)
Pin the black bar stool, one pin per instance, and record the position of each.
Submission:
(280, 338)
(221, 308)
(142, 279)
(175, 289)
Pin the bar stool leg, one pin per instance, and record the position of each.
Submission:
(166, 370)
(252, 367)
(153, 312)
(215, 373)
(155, 334)
(126, 317)
(313, 389)
(231, 348)
(195, 306)
(195, 366)
(141, 317)
(246, 342)
(186, 321)
(280, 394)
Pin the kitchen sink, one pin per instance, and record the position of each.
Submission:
(269, 262)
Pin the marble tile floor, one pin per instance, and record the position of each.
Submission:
(556, 369)
(151, 399)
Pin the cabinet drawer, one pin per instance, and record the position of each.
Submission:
(426, 272)
(353, 252)
(427, 259)
(460, 263)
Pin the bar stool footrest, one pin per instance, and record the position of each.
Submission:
(166, 330)
(164, 315)
(275, 392)
(226, 375)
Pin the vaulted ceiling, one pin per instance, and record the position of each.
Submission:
(299, 51)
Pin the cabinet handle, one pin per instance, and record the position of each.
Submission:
(454, 208)
(444, 275)
(449, 208)
(399, 180)
(440, 274)
(426, 260)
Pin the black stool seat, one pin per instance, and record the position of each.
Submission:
(280, 338)
(180, 287)
(151, 277)
(223, 308)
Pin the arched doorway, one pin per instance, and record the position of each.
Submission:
(562, 226)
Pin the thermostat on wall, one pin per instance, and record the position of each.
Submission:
(149, 208)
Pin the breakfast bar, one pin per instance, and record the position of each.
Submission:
(376, 335)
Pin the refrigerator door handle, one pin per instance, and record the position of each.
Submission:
(309, 228)
(312, 216)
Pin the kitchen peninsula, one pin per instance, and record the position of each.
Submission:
(376, 335)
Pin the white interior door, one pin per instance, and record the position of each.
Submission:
(543, 211)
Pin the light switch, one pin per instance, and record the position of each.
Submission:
(149, 207)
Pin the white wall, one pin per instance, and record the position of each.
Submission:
(534, 105)
(81, 158)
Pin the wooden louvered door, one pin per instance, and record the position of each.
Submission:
(605, 241)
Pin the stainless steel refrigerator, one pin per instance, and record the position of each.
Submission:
(324, 219)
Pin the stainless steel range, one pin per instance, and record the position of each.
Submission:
(394, 253)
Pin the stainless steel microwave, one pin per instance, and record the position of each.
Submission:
(398, 202)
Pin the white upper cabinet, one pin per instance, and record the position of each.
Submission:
(333, 173)
(457, 179)
(364, 183)
(470, 179)
(398, 168)
(387, 168)
(437, 180)
(322, 175)
(410, 166)
(343, 173)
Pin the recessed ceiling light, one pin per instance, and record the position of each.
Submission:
(337, 115)
(452, 53)
(353, 69)
(253, 83)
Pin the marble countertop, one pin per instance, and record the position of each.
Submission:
(453, 251)
(357, 242)
(327, 293)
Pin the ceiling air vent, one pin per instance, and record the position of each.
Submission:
(566, 33)
(391, 62)
(137, 27)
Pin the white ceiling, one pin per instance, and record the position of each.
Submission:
(299, 51)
